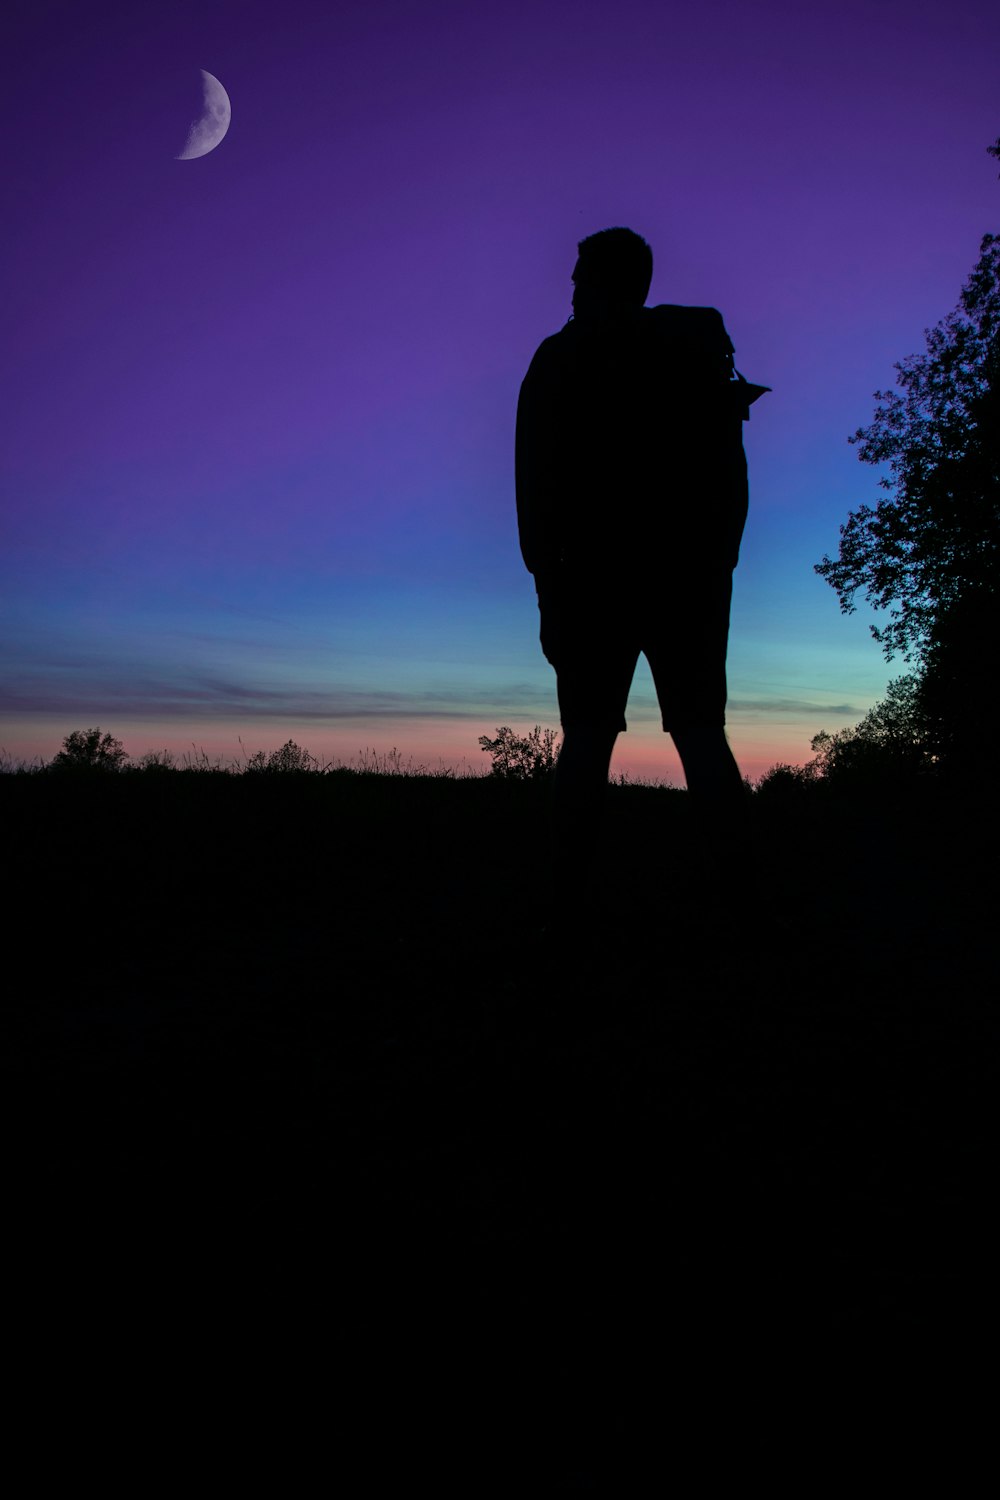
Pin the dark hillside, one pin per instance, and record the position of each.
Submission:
(295, 1040)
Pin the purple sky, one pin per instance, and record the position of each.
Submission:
(258, 407)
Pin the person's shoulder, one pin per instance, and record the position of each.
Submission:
(558, 342)
(553, 351)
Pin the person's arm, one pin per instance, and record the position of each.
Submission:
(524, 442)
(739, 499)
(535, 473)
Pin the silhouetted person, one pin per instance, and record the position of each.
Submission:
(631, 500)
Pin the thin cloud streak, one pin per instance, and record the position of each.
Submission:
(215, 698)
(218, 697)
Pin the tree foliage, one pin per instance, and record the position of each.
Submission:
(889, 744)
(529, 757)
(89, 750)
(935, 543)
(929, 553)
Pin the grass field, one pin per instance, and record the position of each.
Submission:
(297, 1039)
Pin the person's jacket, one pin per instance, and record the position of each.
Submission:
(629, 446)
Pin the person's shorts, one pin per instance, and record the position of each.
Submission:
(592, 634)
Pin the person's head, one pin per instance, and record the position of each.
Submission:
(612, 273)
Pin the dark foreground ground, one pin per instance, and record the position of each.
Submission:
(314, 1146)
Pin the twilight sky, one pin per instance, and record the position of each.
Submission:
(258, 407)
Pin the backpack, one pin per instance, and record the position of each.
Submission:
(702, 355)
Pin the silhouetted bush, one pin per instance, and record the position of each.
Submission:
(291, 757)
(156, 760)
(784, 782)
(89, 750)
(529, 757)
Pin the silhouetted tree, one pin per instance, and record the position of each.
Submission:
(89, 750)
(889, 745)
(918, 552)
(521, 758)
(929, 554)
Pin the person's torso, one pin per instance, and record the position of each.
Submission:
(645, 440)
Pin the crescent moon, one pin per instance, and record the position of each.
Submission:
(211, 125)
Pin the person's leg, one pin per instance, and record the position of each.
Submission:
(687, 654)
(686, 643)
(588, 637)
(579, 794)
(579, 790)
(720, 805)
(710, 769)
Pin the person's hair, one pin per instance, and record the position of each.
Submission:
(618, 262)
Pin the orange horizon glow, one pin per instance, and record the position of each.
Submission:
(643, 753)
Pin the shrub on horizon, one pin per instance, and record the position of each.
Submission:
(291, 757)
(530, 757)
(89, 750)
(782, 780)
(157, 760)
